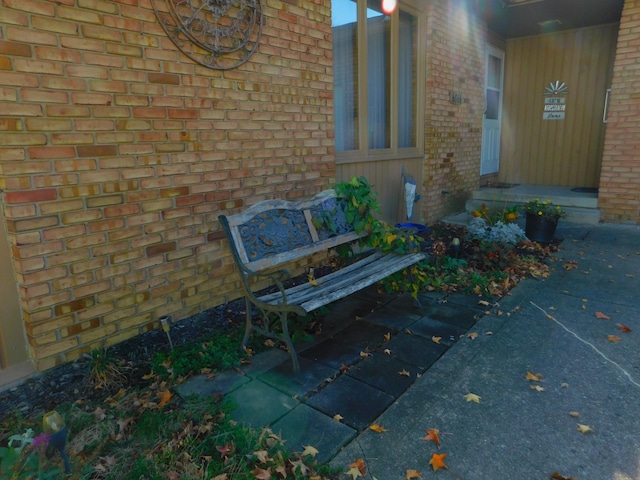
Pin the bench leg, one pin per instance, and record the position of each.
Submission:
(248, 325)
(284, 337)
(287, 340)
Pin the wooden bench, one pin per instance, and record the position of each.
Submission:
(273, 233)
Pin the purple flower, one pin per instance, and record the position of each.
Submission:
(41, 440)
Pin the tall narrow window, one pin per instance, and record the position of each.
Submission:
(377, 90)
(345, 66)
(378, 75)
(407, 80)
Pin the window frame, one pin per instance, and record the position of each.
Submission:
(364, 153)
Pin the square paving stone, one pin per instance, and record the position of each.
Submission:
(204, 386)
(311, 375)
(333, 354)
(427, 328)
(264, 361)
(358, 403)
(364, 335)
(460, 300)
(392, 317)
(384, 373)
(415, 349)
(304, 426)
(456, 315)
(258, 405)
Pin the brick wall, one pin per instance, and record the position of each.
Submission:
(619, 193)
(117, 153)
(453, 136)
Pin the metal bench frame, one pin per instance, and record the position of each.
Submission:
(273, 233)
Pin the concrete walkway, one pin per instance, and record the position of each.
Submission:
(407, 384)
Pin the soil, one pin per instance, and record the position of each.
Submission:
(68, 382)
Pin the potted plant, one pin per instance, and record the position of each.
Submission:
(541, 219)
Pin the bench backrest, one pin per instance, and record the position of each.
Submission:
(274, 232)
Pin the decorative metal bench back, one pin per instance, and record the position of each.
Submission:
(276, 231)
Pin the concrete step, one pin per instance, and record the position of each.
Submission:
(582, 216)
(514, 196)
(575, 214)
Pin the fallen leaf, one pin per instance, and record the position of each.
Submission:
(574, 414)
(148, 376)
(412, 474)
(537, 388)
(387, 337)
(262, 456)
(387, 351)
(473, 335)
(613, 338)
(404, 373)
(262, 474)
(472, 397)
(534, 377)
(433, 436)
(489, 333)
(364, 354)
(338, 417)
(225, 449)
(584, 428)
(309, 450)
(298, 465)
(623, 328)
(354, 472)
(99, 414)
(436, 340)
(408, 332)
(564, 385)
(437, 461)
(483, 302)
(558, 476)
(164, 398)
(377, 428)
(602, 316)
(359, 464)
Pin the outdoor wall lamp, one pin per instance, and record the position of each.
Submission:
(389, 6)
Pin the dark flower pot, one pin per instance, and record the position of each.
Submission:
(540, 228)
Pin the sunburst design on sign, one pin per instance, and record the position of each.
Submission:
(556, 88)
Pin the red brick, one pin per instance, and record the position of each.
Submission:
(39, 195)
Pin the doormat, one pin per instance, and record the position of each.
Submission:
(499, 185)
(585, 189)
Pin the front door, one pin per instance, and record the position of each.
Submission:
(494, 67)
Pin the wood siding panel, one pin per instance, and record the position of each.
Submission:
(556, 152)
(385, 176)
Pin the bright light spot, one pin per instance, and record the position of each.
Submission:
(388, 6)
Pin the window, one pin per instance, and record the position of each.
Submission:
(376, 79)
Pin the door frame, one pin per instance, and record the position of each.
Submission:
(485, 168)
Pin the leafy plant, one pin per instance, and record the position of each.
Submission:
(105, 372)
(505, 234)
(543, 208)
(506, 214)
(216, 353)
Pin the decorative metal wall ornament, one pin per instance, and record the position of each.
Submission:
(556, 88)
(218, 34)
